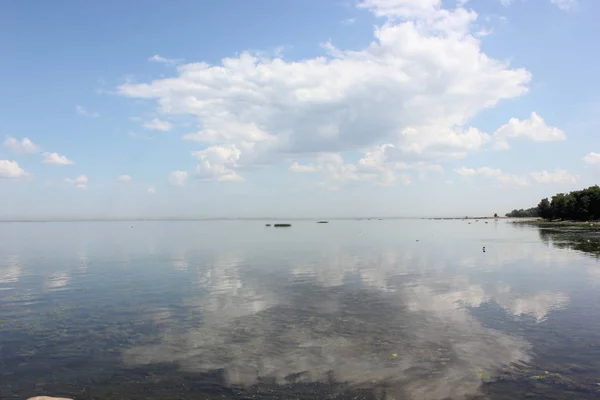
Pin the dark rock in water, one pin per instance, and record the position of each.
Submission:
(282, 225)
(322, 222)
(268, 225)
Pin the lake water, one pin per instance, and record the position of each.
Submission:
(370, 309)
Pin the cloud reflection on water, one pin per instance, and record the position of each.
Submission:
(10, 271)
(310, 323)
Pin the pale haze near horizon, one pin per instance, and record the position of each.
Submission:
(404, 108)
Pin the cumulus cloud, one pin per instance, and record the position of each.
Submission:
(533, 129)
(151, 190)
(158, 125)
(178, 178)
(56, 159)
(295, 167)
(494, 173)
(80, 182)
(592, 159)
(81, 110)
(11, 170)
(416, 86)
(558, 176)
(23, 146)
(164, 60)
(374, 166)
(218, 163)
(124, 178)
(464, 171)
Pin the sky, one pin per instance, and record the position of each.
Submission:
(292, 108)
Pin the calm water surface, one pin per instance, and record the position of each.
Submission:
(393, 309)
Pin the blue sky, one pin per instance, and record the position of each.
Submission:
(295, 108)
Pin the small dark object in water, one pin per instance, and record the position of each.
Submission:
(484, 249)
(268, 225)
(322, 222)
(417, 240)
(282, 225)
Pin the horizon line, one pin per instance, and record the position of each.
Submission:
(124, 219)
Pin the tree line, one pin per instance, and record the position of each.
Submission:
(530, 212)
(579, 205)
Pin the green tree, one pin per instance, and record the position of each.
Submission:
(578, 205)
(544, 210)
(531, 212)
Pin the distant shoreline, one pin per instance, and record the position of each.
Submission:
(555, 224)
(161, 219)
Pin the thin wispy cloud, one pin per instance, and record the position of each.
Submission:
(81, 110)
(164, 60)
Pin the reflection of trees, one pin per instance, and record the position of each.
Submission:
(584, 240)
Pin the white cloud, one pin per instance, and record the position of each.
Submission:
(564, 4)
(349, 21)
(81, 110)
(483, 32)
(80, 182)
(164, 60)
(334, 169)
(533, 129)
(56, 159)
(592, 159)
(217, 163)
(151, 190)
(140, 136)
(178, 178)
(377, 165)
(416, 87)
(11, 170)
(494, 173)
(464, 171)
(124, 178)
(24, 146)
(373, 167)
(558, 176)
(158, 125)
(295, 167)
